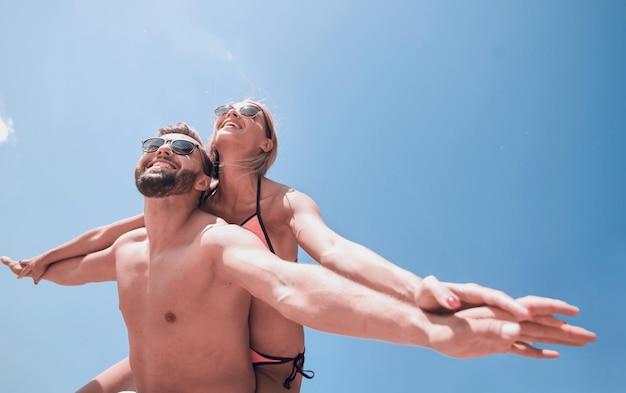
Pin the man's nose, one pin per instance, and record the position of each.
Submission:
(165, 148)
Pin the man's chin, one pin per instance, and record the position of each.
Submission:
(157, 184)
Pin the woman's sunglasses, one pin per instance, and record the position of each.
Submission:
(247, 111)
(178, 146)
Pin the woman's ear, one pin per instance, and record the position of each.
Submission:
(267, 145)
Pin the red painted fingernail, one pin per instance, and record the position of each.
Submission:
(453, 302)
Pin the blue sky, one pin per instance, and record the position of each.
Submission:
(478, 141)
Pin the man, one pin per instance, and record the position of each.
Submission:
(185, 283)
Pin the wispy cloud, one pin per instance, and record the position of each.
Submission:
(6, 129)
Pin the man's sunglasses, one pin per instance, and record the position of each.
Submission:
(178, 146)
(247, 111)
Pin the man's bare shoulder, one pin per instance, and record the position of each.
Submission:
(223, 234)
(135, 236)
(221, 229)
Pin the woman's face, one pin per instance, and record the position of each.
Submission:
(244, 131)
(243, 122)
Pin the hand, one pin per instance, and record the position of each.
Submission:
(33, 268)
(442, 297)
(542, 328)
(15, 267)
(465, 337)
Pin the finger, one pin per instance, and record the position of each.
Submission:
(6, 260)
(23, 272)
(486, 312)
(12, 265)
(444, 296)
(27, 269)
(478, 295)
(520, 348)
(496, 313)
(548, 320)
(563, 335)
(544, 305)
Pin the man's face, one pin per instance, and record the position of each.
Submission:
(163, 173)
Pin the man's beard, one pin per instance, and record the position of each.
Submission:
(164, 184)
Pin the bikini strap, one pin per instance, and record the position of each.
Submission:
(297, 368)
(258, 214)
(298, 363)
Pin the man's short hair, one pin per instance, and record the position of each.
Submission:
(183, 128)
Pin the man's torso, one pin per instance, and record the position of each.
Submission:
(187, 326)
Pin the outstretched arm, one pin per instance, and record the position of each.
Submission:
(364, 266)
(320, 299)
(91, 241)
(95, 267)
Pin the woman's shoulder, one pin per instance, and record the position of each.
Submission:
(279, 190)
(284, 196)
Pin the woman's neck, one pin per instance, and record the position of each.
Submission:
(237, 187)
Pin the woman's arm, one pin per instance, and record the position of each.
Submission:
(362, 265)
(98, 266)
(91, 241)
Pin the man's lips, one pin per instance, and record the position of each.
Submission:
(161, 163)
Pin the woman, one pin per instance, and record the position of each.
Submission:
(244, 146)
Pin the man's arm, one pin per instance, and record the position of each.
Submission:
(364, 266)
(307, 294)
(320, 299)
(91, 241)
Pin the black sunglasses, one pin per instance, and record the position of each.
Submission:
(178, 146)
(247, 111)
